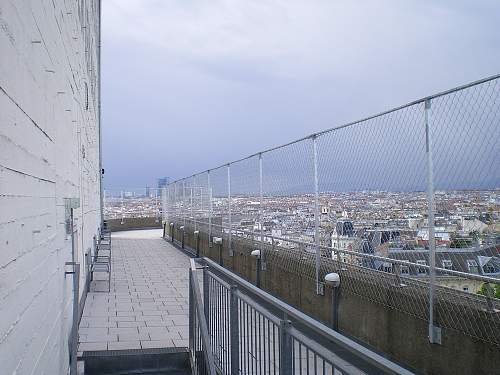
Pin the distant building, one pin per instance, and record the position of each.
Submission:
(163, 182)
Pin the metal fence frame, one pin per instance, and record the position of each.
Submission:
(227, 229)
(247, 337)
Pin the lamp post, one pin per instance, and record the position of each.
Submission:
(333, 280)
(256, 254)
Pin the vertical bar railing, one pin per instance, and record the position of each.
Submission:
(316, 212)
(229, 244)
(434, 332)
(198, 326)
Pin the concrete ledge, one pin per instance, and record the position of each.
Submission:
(133, 223)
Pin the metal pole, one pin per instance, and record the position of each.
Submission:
(261, 216)
(156, 205)
(210, 213)
(191, 204)
(122, 205)
(194, 213)
(191, 310)
(206, 295)
(235, 335)
(286, 348)
(184, 202)
(74, 329)
(101, 175)
(229, 244)
(316, 212)
(434, 332)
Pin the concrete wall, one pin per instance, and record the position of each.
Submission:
(385, 318)
(116, 225)
(49, 151)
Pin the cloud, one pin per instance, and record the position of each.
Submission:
(261, 73)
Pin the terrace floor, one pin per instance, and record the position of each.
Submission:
(148, 303)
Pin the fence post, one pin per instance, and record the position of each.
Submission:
(210, 210)
(121, 193)
(434, 331)
(191, 211)
(184, 201)
(286, 348)
(316, 212)
(229, 243)
(261, 216)
(235, 335)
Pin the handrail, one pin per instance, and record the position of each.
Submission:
(197, 303)
(351, 346)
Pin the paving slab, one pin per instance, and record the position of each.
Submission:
(147, 306)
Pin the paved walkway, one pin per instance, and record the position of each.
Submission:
(148, 303)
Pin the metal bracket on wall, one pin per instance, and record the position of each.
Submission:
(435, 335)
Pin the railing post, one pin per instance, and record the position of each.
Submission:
(235, 335)
(286, 348)
(434, 331)
(229, 243)
(191, 311)
(316, 213)
(74, 327)
(206, 296)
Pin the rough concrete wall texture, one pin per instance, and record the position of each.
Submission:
(49, 151)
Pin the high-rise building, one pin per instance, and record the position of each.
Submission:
(163, 181)
(50, 173)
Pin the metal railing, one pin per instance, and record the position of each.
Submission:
(200, 350)
(252, 332)
(410, 194)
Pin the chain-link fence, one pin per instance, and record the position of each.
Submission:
(409, 197)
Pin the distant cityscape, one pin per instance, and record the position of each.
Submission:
(387, 224)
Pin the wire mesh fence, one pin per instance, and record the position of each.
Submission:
(408, 197)
(134, 203)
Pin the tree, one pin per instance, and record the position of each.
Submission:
(484, 290)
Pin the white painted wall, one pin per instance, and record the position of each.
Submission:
(49, 151)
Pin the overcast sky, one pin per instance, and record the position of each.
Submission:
(190, 85)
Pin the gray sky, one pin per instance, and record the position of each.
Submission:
(189, 85)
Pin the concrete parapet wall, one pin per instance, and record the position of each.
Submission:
(116, 225)
(388, 318)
